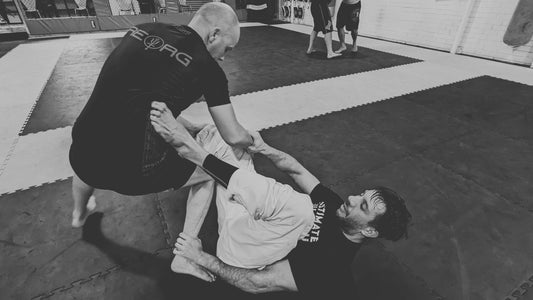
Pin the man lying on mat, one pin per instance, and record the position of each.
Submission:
(272, 238)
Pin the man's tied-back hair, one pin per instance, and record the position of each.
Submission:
(391, 225)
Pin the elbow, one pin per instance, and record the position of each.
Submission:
(233, 141)
(242, 140)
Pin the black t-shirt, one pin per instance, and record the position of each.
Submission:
(153, 62)
(321, 261)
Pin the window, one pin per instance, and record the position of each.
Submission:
(9, 13)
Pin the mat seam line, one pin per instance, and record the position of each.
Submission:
(372, 102)
(28, 116)
(389, 52)
(281, 87)
(162, 220)
(328, 78)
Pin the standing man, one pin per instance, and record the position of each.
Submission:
(348, 16)
(322, 23)
(114, 145)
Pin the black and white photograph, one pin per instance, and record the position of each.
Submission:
(266, 149)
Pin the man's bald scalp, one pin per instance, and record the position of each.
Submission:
(218, 14)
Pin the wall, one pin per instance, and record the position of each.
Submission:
(435, 24)
(485, 31)
(430, 23)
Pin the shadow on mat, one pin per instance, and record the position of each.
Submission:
(143, 263)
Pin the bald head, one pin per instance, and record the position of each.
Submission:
(217, 14)
(218, 25)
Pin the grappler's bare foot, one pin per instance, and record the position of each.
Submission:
(79, 218)
(333, 55)
(310, 50)
(354, 49)
(341, 49)
(183, 265)
(164, 123)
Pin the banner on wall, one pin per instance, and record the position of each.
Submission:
(520, 29)
(256, 4)
(259, 10)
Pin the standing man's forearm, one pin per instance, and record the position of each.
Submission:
(233, 133)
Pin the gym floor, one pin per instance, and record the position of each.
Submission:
(452, 134)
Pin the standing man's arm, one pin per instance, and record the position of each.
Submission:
(219, 104)
(286, 163)
(229, 127)
(273, 278)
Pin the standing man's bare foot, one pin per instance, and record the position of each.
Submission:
(354, 49)
(341, 49)
(79, 217)
(333, 55)
(183, 265)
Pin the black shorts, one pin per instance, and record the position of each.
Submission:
(348, 16)
(321, 17)
(109, 171)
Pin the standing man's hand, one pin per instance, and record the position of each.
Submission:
(189, 247)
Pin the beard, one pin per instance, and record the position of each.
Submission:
(348, 225)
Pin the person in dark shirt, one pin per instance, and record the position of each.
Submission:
(322, 23)
(320, 263)
(114, 146)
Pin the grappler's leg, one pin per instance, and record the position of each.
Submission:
(340, 32)
(200, 196)
(354, 37)
(198, 202)
(311, 47)
(329, 45)
(259, 219)
(84, 201)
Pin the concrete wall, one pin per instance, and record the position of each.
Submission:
(485, 31)
(436, 23)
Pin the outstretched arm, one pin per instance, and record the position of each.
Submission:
(229, 127)
(286, 163)
(275, 277)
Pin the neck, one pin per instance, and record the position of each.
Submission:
(201, 28)
(354, 237)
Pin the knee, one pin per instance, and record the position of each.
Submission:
(78, 183)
